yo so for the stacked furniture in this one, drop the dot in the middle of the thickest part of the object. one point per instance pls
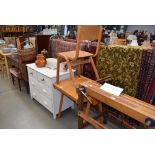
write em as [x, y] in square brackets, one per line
[76, 59]
[17, 63]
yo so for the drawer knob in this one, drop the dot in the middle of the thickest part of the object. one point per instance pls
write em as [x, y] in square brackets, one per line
[31, 73]
[42, 79]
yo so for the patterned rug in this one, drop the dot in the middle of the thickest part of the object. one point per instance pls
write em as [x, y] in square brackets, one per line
[147, 73]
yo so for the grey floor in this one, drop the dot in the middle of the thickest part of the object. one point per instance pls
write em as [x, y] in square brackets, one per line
[18, 111]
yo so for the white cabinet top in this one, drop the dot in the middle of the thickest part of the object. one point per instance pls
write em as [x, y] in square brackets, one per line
[46, 70]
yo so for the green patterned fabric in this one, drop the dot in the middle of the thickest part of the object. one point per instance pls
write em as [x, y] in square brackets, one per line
[123, 63]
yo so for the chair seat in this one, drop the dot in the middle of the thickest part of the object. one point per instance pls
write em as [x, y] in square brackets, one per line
[71, 54]
[67, 87]
[16, 72]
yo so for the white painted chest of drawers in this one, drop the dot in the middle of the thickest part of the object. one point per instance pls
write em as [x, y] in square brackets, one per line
[41, 88]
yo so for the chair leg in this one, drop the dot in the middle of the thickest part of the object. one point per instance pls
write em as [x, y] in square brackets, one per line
[71, 72]
[60, 105]
[13, 80]
[94, 68]
[3, 71]
[19, 84]
[79, 70]
[58, 70]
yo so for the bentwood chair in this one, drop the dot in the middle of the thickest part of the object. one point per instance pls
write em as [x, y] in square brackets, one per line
[2, 65]
[74, 59]
[78, 57]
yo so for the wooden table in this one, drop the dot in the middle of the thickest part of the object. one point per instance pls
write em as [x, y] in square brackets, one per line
[6, 63]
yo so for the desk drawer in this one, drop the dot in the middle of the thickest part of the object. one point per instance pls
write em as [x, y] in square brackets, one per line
[45, 90]
[32, 73]
[44, 80]
[46, 102]
[33, 83]
[34, 94]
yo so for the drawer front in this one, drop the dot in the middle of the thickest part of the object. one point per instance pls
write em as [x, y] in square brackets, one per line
[34, 94]
[44, 80]
[32, 73]
[46, 102]
[33, 83]
[45, 90]
[41, 99]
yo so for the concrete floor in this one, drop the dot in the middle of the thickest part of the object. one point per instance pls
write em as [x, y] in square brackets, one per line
[18, 111]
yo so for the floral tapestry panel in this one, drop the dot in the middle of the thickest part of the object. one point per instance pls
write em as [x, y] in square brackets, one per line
[123, 63]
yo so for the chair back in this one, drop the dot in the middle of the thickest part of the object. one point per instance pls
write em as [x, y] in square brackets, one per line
[27, 55]
[88, 32]
[19, 40]
[33, 41]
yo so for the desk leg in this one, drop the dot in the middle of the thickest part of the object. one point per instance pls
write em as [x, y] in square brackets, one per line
[6, 65]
